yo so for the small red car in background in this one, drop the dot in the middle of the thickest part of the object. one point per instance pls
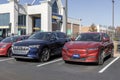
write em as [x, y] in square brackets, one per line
[5, 44]
[88, 47]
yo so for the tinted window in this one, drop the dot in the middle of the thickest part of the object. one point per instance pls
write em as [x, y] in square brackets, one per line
[106, 36]
[24, 37]
[89, 37]
[52, 36]
[40, 35]
[61, 35]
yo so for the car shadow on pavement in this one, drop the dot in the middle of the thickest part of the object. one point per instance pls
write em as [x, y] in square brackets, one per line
[27, 60]
[55, 57]
[83, 63]
[36, 61]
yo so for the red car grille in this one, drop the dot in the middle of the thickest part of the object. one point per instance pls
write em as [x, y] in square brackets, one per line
[78, 51]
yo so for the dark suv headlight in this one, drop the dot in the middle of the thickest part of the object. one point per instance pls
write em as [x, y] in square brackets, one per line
[34, 46]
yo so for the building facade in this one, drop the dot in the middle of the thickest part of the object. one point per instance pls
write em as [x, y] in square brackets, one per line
[73, 27]
[20, 19]
[99, 28]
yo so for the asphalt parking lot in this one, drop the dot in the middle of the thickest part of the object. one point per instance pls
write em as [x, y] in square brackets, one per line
[56, 69]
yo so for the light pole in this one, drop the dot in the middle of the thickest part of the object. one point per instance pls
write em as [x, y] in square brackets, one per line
[113, 15]
[66, 13]
[80, 26]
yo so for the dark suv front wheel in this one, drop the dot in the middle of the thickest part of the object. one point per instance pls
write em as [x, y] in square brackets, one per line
[45, 55]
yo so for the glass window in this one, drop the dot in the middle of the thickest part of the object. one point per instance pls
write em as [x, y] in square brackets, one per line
[40, 35]
[22, 20]
[89, 37]
[1, 33]
[55, 7]
[61, 35]
[106, 35]
[4, 19]
[52, 36]
[37, 22]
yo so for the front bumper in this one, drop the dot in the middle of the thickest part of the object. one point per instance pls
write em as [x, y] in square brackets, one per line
[31, 54]
[84, 57]
[3, 51]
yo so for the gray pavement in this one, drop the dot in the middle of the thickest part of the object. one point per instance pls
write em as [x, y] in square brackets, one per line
[56, 69]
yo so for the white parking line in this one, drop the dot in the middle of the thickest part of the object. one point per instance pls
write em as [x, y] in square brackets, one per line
[49, 62]
[6, 59]
[102, 70]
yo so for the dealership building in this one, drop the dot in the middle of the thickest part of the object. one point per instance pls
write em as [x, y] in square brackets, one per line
[48, 15]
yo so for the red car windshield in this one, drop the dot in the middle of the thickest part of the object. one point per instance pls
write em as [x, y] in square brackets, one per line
[89, 37]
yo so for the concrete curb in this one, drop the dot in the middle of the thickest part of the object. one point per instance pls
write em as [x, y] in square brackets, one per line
[116, 55]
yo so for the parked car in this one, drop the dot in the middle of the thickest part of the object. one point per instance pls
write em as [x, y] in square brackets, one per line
[5, 45]
[40, 46]
[88, 47]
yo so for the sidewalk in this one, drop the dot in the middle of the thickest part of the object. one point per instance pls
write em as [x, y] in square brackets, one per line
[116, 54]
[116, 51]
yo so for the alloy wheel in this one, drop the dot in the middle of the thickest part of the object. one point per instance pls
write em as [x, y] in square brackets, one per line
[101, 58]
[9, 53]
[45, 55]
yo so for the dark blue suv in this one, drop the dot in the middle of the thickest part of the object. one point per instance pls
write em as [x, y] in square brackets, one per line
[40, 46]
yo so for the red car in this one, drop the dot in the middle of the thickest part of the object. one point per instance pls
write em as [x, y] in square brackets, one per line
[88, 47]
[5, 44]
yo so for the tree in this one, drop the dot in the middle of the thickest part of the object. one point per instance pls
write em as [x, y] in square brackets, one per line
[93, 28]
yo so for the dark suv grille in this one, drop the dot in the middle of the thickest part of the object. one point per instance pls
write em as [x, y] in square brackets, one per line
[20, 50]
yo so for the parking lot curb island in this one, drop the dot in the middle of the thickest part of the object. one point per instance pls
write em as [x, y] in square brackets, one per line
[116, 52]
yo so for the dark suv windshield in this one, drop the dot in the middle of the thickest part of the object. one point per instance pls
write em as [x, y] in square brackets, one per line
[89, 37]
[40, 35]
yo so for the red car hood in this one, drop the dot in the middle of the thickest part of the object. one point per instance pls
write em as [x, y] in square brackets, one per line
[82, 44]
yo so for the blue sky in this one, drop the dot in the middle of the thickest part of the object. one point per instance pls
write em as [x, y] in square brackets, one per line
[95, 11]
[91, 11]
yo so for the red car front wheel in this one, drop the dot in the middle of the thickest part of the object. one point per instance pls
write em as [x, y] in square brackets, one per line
[9, 53]
[101, 58]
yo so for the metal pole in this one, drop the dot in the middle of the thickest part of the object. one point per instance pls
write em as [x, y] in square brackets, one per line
[66, 13]
[113, 14]
[80, 26]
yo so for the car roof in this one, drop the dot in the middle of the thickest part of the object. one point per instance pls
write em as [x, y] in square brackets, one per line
[50, 32]
[93, 32]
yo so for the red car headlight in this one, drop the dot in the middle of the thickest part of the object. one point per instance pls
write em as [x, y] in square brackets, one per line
[92, 49]
[66, 48]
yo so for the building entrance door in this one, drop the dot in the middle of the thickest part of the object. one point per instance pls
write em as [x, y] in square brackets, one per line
[36, 21]
[3, 33]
